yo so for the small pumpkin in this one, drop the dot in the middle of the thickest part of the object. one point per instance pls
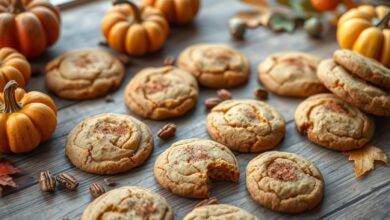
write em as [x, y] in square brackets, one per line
[365, 30]
[176, 11]
[30, 26]
[13, 66]
[129, 29]
[26, 119]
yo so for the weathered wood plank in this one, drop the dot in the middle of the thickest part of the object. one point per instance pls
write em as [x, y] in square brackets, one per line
[81, 28]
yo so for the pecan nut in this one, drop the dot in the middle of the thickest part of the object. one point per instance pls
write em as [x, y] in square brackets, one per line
[224, 94]
[109, 181]
[167, 131]
[260, 93]
[67, 181]
[96, 190]
[212, 102]
[47, 182]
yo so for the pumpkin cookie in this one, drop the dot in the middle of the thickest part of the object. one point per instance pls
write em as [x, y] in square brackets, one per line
[364, 67]
[109, 143]
[188, 165]
[333, 123]
[84, 74]
[129, 202]
[291, 74]
[284, 182]
[160, 93]
[219, 212]
[215, 65]
[246, 125]
[351, 89]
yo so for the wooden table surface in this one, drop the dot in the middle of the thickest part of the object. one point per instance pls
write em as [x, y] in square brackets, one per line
[346, 197]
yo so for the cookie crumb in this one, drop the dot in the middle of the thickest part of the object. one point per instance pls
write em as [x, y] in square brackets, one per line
[212, 102]
[167, 131]
[224, 94]
[109, 99]
[260, 93]
[169, 61]
[209, 201]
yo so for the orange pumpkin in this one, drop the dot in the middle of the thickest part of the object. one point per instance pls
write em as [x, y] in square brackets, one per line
[176, 11]
[13, 66]
[134, 31]
[26, 119]
[359, 30]
[30, 26]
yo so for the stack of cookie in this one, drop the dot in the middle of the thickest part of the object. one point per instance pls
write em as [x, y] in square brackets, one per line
[358, 80]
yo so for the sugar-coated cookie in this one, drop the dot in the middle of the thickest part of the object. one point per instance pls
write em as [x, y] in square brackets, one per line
[128, 202]
[219, 212]
[109, 143]
[363, 67]
[84, 74]
[246, 125]
[284, 182]
[354, 90]
[215, 65]
[291, 73]
[187, 167]
[333, 123]
[160, 93]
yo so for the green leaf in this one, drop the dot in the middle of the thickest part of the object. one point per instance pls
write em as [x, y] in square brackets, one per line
[302, 8]
[281, 22]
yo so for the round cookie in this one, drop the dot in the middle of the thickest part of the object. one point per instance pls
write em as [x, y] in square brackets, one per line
[291, 74]
[284, 182]
[84, 74]
[128, 202]
[246, 125]
[187, 167]
[109, 143]
[160, 93]
[354, 90]
[215, 65]
[364, 67]
[219, 212]
[333, 123]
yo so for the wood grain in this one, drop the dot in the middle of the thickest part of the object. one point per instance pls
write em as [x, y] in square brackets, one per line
[345, 196]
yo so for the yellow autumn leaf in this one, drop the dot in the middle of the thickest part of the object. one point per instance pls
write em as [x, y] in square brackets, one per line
[365, 157]
[256, 3]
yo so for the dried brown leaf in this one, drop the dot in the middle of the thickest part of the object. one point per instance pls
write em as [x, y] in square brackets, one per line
[365, 157]
[257, 3]
[254, 19]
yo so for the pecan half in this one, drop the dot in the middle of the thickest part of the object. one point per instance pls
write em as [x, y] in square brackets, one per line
[167, 131]
[96, 190]
[47, 182]
[260, 93]
[211, 102]
[67, 181]
[224, 94]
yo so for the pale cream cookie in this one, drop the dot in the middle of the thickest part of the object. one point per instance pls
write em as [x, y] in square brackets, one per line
[219, 212]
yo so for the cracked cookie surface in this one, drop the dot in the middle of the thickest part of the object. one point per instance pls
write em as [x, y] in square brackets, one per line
[219, 212]
[84, 74]
[187, 167]
[284, 182]
[364, 67]
[333, 123]
[291, 73]
[354, 90]
[109, 143]
[129, 202]
[246, 125]
[215, 65]
[160, 93]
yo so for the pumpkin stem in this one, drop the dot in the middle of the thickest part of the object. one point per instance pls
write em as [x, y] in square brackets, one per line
[384, 21]
[134, 8]
[18, 7]
[11, 105]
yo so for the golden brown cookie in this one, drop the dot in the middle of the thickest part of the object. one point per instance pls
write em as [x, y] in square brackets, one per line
[284, 182]
[291, 74]
[187, 167]
[364, 67]
[219, 212]
[246, 125]
[84, 74]
[109, 143]
[160, 93]
[128, 202]
[354, 90]
[215, 65]
[333, 123]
